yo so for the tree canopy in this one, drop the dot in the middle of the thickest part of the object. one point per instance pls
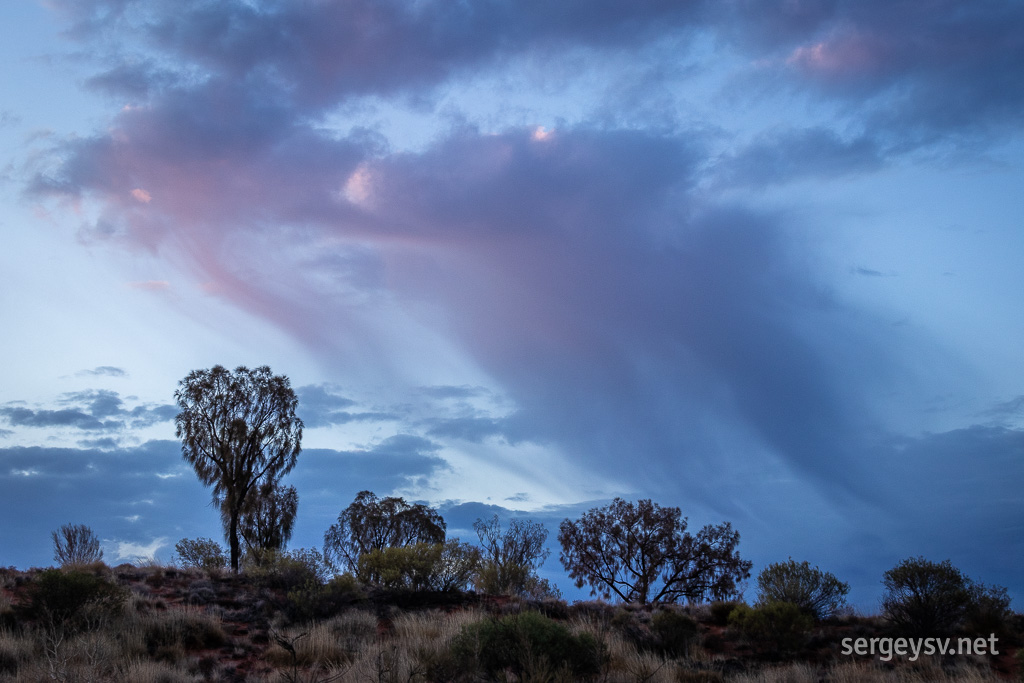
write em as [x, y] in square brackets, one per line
[511, 558]
[240, 433]
[371, 523]
[641, 552]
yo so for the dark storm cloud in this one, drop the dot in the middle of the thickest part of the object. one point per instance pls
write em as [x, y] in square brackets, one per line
[584, 278]
[90, 410]
[106, 443]
[1006, 412]
[913, 73]
[385, 466]
[320, 406]
[787, 155]
[132, 495]
[955, 492]
[140, 494]
[26, 417]
[323, 52]
[328, 480]
[581, 271]
[136, 80]
[475, 429]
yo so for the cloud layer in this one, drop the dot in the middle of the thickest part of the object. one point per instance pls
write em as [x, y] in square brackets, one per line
[616, 268]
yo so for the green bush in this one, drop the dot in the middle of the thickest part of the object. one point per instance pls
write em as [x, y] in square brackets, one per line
[721, 611]
[204, 553]
[526, 644]
[818, 593]
[517, 580]
[408, 567]
[290, 569]
[64, 595]
[776, 627]
[674, 632]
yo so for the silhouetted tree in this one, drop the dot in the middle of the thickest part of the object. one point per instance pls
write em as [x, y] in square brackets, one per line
[239, 430]
[511, 558]
[267, 521]
[456, 567]
[923, 597]
[642, 553]
[816, 592]
[370, 523]
[75, 544]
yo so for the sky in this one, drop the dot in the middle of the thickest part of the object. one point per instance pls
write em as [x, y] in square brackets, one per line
[756, 260]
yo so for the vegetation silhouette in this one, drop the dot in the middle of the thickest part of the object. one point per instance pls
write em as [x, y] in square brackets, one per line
[392, 598]
[641, 552]
[240, 433]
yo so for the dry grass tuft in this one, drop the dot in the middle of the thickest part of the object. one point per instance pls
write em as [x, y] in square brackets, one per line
[328, 643]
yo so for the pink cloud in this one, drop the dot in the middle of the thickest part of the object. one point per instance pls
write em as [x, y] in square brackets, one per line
[150, 285]
[840, 57]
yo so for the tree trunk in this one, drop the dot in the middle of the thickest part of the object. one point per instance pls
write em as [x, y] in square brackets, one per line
[233, 540]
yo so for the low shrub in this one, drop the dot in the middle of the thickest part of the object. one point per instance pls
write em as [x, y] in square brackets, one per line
[525, 644]
[8, 619]
[204, 553]
[777, 627]
[674, 632]
[15, 651]
[408, 567]
[989, 612]
[720, 611]
[180, 630]
[63, 595]
[290, 569]
[315, 600]
[76, 544]
[817, 592]
[633, 625]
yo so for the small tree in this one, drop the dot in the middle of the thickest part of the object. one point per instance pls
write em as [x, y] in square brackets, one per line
[240, 432]
[925, 597]
[818, 593]
[456, 567]
[75, 544]
[200, 552]
[642, 553]
[511, 558]
[370, 523]
[267, 522]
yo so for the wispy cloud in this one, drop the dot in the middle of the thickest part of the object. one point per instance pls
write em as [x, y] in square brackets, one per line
[105, 370]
